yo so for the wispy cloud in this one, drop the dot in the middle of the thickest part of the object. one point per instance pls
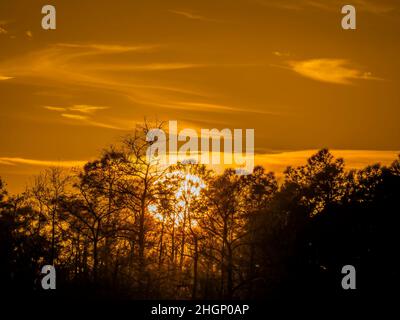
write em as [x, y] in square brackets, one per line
[206, 106]
[82, 108]
[107, 48]
[44, 163]
[71, 65]
[354, 159]
[84, 118]
[5, 78]
[74, 116]
[379, 7]
[86, 108]
[58, 109]
[67, 64]
[222, 108]
[188, 15]
[281, 54]
[370, 6]
[87, 121]
[3, 29]
[336, 71]
[149, 66]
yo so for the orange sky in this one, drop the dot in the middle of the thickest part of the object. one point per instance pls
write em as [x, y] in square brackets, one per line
[285, 68]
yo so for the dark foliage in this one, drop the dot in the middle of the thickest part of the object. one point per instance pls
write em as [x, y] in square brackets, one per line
[124, 229]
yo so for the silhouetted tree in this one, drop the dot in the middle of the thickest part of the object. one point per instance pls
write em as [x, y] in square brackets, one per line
[126, 226]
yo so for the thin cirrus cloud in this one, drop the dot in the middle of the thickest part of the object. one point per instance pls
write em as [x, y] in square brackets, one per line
[224, 108]
[86, 121]
[215, 108]
[5, 78]
[149, 67]
[354, 159]
[3, 29]
[86, 108]
[370, 6]
[96, 48]
[59, 109]
[188, 15]
[281, 54]
[337, 71]
[277, 162]
[11, 161]
[84, 117]
[82, 108]
[66, 64]
[74, 116]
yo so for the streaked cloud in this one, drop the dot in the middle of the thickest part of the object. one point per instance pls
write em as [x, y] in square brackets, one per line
[336, 71]
[29, 33]
[87, 121]
[281, 54]
[74, 116]
[86, 108]
[107, 48]
[44, 163]
[59, 109]
[67, 64]
[149, 66]
[3, 30]
[276, 162]
[84, 117]
[202, 106]
[82, 108]
[370, 6]
[188, 15]
[5, 78]
[354, 159]
[219, 107]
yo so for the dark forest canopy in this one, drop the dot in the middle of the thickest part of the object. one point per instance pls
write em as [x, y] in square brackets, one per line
[122, 227]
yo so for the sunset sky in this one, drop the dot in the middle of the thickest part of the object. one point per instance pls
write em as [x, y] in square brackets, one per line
[285, 68]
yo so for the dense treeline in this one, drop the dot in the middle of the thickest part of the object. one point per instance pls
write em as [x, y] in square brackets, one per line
[123, 227]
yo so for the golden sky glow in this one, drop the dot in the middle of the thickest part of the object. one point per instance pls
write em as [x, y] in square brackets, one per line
[285, 68]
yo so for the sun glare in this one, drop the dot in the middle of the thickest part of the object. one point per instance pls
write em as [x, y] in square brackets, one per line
[189, 188]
